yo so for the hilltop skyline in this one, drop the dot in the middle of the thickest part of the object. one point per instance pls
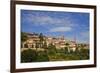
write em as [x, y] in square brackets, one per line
[52, 23]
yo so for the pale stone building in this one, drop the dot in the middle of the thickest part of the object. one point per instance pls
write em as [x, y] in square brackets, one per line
[33, 42]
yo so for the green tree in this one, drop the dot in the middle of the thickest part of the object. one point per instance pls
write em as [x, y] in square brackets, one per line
[51, 49]
[82, 46]
[23, 36]
[36, 45]
[84, 54]
[41, 39]
[67, 47]
[66, 50]
[45, 45]
[28, 56]
[42, 56]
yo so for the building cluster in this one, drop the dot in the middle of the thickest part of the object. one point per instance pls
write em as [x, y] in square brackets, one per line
[33, 39]
[33, 42]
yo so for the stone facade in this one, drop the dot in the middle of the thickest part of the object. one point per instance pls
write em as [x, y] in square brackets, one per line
[59, 42]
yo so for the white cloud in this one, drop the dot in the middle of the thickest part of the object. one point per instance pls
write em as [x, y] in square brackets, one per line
[50, 23]
[60, 29]
[48, 20]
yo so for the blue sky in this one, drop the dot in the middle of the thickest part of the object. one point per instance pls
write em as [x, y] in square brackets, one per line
[56, 24]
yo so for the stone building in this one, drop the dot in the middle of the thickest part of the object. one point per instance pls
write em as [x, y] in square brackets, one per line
[72, 45]
[33, 42]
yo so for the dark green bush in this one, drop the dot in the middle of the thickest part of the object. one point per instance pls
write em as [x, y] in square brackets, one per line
[28, 56]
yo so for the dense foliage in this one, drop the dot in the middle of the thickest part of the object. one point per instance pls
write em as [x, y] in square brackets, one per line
[53, 54]
[28, 56]
[23, 36]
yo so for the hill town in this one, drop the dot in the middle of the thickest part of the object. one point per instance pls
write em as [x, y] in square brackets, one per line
[35, 40]
[54, 48]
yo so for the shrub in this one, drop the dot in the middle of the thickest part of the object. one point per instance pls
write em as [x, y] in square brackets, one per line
[42, 56]
[28, 56]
